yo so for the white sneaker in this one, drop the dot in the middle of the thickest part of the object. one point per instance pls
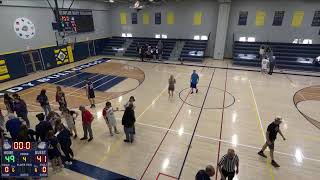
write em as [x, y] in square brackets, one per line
[68, 163]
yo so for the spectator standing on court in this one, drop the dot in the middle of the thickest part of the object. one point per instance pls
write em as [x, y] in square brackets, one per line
[108, 115]
[194, 81]
[90, 93]
[271, 135]
[65, 142]
[53, 117]
[42, 128]
[269, 54]
[227, 165]
[13, 126]
[54, 151]
[87, 119]
[42, 98]
[21, 109]
[132, 101]
[25, 134]
[8, 101]
[61, 98]
[205, 174]
[128, 121]
[261, 52]
[70, 117]
[172, 82]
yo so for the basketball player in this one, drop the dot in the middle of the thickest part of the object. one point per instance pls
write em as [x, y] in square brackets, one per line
[90, 93]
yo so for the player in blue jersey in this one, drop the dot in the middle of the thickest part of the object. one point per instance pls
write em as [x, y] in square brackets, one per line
[90, 93]
[194, 81]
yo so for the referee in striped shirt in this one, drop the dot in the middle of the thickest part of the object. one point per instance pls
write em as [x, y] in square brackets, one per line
[227, 165]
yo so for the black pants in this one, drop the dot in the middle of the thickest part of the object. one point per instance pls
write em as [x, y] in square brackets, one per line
[141, 57]
[228, 175]
[66, 148]
[271, 67]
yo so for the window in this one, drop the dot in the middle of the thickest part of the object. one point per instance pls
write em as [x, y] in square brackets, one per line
[204, 37]
[243, 15]
[242, 39]
[164, 36]
[129, 35]
[196, 37]
[251, 39]
[134, 18]
[307, 41]
[157, 36]
[316, 19]
[157, 18]
[278, 18]
[123, 35]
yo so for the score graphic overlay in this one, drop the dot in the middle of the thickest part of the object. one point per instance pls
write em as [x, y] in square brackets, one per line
[24, 159]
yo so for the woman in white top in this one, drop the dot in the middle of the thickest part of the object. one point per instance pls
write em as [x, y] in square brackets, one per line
[108, 115]
[70, 120]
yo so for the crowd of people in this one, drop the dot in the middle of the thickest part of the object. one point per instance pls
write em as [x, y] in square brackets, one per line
[58, 129]
[146, 51]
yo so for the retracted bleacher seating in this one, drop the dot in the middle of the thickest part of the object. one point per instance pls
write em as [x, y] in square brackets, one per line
[168, 46]
[112, 45]
[193, 50]
[288, 55]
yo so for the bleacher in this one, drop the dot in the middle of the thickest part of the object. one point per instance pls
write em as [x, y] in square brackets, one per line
[112, 46]
[288, 55]
[168, 46]
[193, 50]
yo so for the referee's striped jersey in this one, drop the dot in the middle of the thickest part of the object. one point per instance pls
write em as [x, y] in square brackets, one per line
[228, 164]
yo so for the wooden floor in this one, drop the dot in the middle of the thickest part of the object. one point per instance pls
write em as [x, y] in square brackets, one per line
[177, 137]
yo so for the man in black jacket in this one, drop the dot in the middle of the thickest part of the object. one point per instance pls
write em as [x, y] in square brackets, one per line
[128, 121]
[43, 127]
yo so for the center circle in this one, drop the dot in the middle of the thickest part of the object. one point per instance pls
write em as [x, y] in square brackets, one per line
[218, 95]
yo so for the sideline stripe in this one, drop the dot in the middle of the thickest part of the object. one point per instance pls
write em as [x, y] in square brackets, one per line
[195, 128]
[94, 171]
[261, 127]
[222, 117]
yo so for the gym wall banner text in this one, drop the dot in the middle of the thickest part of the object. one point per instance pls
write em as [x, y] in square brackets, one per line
[50, 78]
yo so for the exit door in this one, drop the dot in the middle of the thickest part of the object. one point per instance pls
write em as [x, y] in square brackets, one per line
[32, 61]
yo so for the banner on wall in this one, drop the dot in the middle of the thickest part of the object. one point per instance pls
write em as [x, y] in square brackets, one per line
[260, 17]
[170, 18]
[64, 55]
[123, 18]
[297, 18]
[197, 19]
[4, 73]
[146, 18]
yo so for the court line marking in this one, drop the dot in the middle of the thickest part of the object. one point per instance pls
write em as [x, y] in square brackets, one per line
[164, 137]
[195, 128]
[261, 127]
[222, 118]
[220, 140]
[153, 101]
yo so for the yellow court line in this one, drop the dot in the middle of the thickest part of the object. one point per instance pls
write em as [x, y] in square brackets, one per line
[258, 118]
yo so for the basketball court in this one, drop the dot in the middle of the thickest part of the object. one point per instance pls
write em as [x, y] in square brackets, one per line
[175, 137]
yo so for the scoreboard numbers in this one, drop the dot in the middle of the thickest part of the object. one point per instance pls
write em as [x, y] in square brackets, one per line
[24, 159]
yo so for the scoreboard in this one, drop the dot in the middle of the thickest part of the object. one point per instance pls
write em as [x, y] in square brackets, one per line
[77, 21]
[24, 159]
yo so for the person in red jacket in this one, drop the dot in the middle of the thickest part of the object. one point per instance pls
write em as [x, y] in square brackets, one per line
[87, 119]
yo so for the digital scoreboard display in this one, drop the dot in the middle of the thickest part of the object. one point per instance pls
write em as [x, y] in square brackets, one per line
[24, 159]
[77, 21]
